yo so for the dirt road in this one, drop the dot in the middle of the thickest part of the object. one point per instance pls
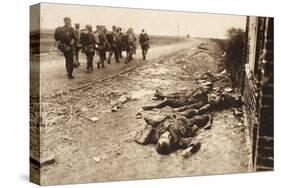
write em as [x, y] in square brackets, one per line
[91, 143]
[53, 73]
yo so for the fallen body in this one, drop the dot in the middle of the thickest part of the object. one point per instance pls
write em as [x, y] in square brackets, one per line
[172, 132]
[175, 131]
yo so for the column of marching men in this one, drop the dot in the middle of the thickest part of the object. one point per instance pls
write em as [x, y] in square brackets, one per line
[72, 41]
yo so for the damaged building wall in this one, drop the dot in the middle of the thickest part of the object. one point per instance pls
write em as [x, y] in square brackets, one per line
[258, 90]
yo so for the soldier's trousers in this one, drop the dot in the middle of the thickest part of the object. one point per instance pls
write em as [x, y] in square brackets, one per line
[102, 54]
[144, 49]
[68, 62]
[120, 51]
[90, 58]
[76, 56]
[116, 55]
[129, 55]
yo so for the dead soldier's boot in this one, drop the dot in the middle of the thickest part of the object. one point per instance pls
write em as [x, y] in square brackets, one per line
[193, 148]
[200, 120]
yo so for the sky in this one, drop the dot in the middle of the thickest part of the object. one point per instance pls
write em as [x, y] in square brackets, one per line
[155, 22]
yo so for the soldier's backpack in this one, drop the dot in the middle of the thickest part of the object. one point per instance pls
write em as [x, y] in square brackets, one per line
[85, 37]
[110, 37]
[61, 34]
[143, 37]
[125, 41]
[100, 40]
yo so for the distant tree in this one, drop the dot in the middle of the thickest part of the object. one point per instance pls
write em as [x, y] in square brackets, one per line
[234, 54]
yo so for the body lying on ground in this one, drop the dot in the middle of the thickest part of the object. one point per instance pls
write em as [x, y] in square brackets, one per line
[175, 131]
[172, 132]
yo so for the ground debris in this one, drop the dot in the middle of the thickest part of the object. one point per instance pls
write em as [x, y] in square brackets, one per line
[202, 46]
[97, 159]
[237, 112]
[94, 119]
[119, 103]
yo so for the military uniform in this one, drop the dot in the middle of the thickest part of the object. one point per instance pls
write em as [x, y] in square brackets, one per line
[179, 128]
[88, 45]
[144, 42]
[131, 48]
[114, 44]
[66, 44]
[119, 45]
[101, 44]
[77, 45]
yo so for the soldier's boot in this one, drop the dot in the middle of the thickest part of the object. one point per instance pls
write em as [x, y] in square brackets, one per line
[77, 59]
[76, 64]
[117, 59]
[102, 64]
[91, 68]
[127, 60]
[109, 59]
[145, 54]
[87, 69]
[98, 65]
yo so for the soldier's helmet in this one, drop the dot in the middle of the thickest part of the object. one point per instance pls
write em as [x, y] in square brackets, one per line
[129, 31]
[77, 25]
[114, 27]
[67, 20]
[88, 27]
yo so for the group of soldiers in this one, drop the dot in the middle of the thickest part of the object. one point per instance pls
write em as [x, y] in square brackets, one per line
[72, 40]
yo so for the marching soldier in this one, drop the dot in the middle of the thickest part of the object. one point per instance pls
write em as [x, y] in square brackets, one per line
[119, 35]
[131, 48]
[77, 45]
[101, 43]
[67, 38]
[114, 45]
[88, 45]
[134, 41]
[144, 42]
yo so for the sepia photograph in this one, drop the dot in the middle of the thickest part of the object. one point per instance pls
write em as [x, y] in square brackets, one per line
[128, 94]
